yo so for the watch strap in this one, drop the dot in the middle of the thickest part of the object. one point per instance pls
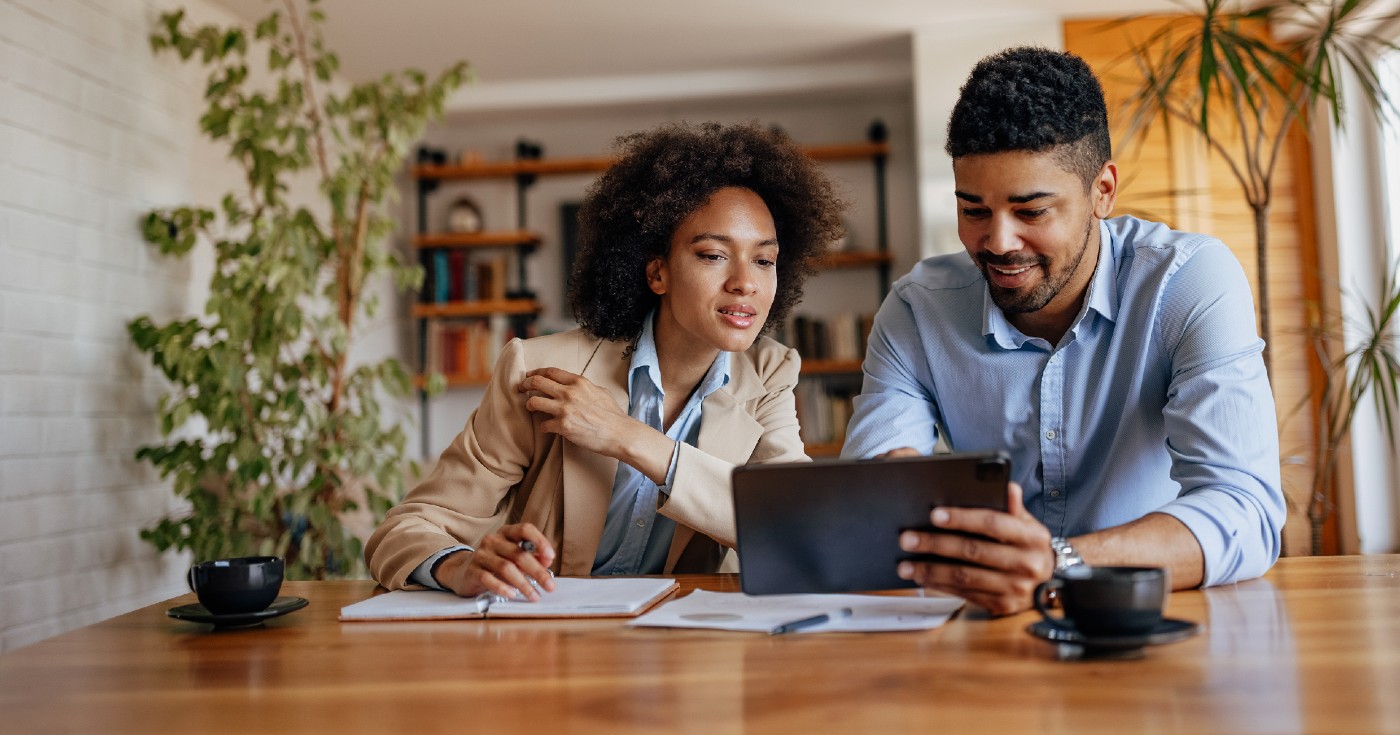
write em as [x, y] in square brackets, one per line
[1065, 554]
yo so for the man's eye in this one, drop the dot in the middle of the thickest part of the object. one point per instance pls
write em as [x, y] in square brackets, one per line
[712, 257]
[974, 213]
[1032, 213]
[765, 263]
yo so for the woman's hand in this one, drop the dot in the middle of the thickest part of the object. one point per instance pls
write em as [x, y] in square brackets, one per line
[501, 565]
[579, 410]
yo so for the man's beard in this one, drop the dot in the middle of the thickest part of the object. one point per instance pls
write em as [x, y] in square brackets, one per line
[1024, 302]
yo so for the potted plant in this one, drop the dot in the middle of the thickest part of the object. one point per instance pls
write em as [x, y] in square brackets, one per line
[1362, 362]
[1222, 74]
[272, 434]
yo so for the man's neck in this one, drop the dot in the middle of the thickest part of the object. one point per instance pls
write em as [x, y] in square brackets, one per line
[1052, 321]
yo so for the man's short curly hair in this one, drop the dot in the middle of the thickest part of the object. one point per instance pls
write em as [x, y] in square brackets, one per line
[1033, 99]
[632, 211]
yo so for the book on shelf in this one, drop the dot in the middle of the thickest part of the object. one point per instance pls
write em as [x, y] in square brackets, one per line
[461, 276]
[840, 337]
[467, 348]
[823, 410]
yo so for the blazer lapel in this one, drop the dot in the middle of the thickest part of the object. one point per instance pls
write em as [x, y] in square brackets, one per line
[588, 476]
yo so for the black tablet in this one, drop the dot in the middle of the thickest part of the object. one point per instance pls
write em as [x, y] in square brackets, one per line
[833, 526]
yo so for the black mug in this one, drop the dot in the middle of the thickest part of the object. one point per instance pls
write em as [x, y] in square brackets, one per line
[1106, 601]
[231, 586]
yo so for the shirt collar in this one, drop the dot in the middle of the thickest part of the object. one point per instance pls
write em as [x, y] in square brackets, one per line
[646, 363]
[1103, 298]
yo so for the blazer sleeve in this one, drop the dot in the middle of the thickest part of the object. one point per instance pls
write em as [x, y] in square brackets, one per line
[701, 495]
[466, 496]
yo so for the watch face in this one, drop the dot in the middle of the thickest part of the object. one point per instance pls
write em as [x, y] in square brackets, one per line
[464, 216]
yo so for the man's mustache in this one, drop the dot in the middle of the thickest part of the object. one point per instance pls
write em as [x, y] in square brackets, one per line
[1006, 261]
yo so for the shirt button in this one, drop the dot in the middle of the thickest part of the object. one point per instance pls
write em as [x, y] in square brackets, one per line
[1054, 493]
[1050, 434]
[641, 523]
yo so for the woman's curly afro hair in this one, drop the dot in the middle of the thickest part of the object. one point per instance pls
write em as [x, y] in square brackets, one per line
[631, 212]
[1033, 99]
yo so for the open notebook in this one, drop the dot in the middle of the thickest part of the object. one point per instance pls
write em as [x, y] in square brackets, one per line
[572, 598]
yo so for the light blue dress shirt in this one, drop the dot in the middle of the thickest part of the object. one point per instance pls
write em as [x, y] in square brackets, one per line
[1156, 400]
[635, 540]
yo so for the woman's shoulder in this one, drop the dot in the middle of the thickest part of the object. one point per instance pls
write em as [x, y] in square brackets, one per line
[772, 359]
[571, 349]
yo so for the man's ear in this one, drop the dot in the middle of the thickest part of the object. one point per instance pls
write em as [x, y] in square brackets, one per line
[1105, 190]
[656, 276]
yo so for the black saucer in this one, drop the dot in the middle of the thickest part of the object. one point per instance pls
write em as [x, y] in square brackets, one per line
[1170, 630]
[196, 613]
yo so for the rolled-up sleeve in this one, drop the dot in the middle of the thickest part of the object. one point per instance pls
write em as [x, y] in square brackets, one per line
[1221, 423]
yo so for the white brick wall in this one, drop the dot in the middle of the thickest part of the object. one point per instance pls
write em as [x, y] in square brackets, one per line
[93, 132]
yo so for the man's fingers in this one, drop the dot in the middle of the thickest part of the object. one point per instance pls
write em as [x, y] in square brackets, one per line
[999, 593]
[974, 550]
[1017, 530]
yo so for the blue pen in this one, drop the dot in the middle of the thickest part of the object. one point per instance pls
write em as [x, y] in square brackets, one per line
[796, 625]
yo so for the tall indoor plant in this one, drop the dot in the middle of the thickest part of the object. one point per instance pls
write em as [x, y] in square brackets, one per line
[1361, 359]
[271, 433]
[1220, 72]
[1223, 74]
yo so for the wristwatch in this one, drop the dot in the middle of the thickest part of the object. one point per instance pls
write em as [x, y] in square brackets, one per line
[1065, 555]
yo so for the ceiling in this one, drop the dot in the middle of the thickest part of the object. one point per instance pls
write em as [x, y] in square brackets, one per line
[522, 49]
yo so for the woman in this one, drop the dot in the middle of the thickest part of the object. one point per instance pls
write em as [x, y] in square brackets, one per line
[608, 449]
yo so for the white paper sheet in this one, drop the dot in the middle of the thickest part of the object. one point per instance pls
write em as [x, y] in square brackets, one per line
[572, 597]
[737, 611]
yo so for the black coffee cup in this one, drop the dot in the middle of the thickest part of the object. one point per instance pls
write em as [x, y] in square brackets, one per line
[1106, 601]
[232, 586]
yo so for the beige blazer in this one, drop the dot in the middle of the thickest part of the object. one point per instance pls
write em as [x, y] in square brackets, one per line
[503, 469]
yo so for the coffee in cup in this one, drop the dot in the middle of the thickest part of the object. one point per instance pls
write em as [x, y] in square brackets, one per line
[1106, 601]
[231, 586]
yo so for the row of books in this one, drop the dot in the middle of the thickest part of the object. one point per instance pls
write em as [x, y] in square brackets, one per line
[467, 349]
[823, 410]
[841, 337]
[457, 275]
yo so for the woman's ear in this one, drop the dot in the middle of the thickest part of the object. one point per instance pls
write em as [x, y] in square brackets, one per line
[656, 276]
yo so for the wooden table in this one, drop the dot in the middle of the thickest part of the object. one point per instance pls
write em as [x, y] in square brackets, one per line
[1312, 647]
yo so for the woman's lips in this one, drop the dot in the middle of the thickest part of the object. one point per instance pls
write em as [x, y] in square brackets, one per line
[741, 317]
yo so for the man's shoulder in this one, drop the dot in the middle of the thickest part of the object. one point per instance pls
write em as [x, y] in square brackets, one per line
[1134, 236]
[953, 273]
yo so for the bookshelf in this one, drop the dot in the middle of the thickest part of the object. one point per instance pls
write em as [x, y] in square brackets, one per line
[832, 349]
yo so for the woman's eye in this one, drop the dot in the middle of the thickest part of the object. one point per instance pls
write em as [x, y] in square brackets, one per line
[765, 263]
[712, 257]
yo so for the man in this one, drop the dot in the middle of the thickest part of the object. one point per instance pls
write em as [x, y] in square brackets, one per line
[1115, 359]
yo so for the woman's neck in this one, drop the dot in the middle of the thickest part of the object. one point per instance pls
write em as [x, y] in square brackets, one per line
[683, 361]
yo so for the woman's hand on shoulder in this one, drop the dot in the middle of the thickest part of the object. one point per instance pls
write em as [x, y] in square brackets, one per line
[501, 564]
[578, 410]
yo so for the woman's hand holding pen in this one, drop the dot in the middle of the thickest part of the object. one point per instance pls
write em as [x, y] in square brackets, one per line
[502, 564]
